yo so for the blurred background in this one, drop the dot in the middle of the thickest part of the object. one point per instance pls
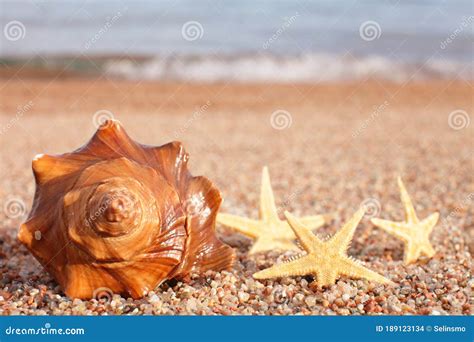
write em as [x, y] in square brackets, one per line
[283, 41]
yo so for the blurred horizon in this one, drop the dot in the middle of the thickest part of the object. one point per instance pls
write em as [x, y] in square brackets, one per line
[250, 40]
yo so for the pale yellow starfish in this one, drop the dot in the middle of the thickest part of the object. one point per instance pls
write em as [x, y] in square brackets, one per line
[269, 231]
[326, 260]
[414, 233]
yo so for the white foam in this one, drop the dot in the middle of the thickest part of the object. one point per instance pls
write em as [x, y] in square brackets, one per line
[310, 68]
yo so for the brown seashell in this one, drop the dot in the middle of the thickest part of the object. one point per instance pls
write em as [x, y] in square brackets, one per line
[123, 216]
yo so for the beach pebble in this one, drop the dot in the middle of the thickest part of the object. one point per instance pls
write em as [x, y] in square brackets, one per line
[310, 301]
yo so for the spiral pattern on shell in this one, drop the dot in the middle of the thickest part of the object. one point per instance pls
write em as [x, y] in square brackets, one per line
[115, 215]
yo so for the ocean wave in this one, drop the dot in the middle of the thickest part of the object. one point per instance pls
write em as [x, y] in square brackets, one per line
[310, 68]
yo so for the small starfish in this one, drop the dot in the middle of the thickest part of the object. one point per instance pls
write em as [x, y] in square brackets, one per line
[269, 231]
[326, 260]
[415, 233]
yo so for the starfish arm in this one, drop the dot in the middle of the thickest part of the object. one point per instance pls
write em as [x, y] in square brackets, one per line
[248, 227]
[343, 237]
[397, 229]
[313, 222]
[429, 222]
[412, 253]
[428, 250]
[353, 268]
[268, 211]
[263, 245]
[407, 204]
[307, 239]
[325, 277]
[299, 267]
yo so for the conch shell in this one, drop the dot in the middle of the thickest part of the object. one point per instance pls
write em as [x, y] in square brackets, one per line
[123, 216]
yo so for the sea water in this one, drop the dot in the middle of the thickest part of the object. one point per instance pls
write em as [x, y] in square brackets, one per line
[246, 40]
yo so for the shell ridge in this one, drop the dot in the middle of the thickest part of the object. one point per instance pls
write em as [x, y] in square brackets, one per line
[205, 251]
[122, 215]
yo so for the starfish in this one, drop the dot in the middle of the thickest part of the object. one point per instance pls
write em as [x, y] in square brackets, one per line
[269, 231]
[414, 233]
[326, 260]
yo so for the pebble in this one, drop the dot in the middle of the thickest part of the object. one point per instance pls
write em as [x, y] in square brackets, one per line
[310, 301]
[191, 305]
[154, 299]
[243, 296]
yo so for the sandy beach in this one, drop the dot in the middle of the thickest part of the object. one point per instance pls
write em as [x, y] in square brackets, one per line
[329, 147]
